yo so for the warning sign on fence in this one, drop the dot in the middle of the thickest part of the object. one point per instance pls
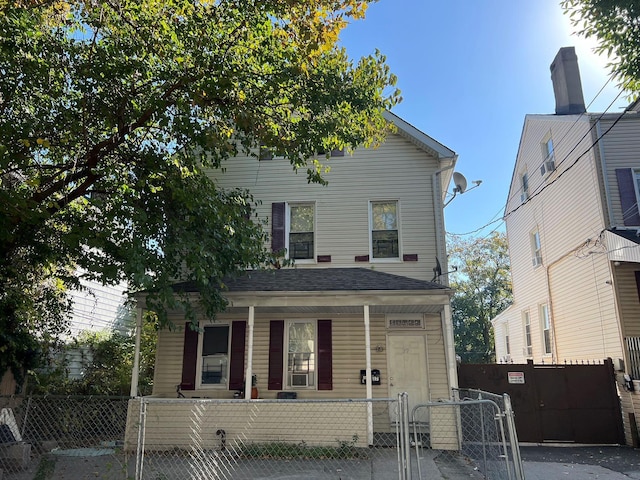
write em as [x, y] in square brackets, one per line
[515, 377]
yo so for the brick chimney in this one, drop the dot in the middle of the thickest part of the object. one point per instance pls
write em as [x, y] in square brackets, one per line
[567, 86]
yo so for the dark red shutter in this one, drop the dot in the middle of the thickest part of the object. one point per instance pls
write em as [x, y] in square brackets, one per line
[236, 361]
[276, 354]
[325, 356]
[189, 358]
[277, 226]
[628, 200]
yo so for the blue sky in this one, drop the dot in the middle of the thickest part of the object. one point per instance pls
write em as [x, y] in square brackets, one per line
[469, 72]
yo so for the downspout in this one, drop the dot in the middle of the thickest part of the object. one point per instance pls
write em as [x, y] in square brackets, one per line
[135, 373]
[441, 254]
[248, 376]
[449, 351]
[438, 216]
[367, 343]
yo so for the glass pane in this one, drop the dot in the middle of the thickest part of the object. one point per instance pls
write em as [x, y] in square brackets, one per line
[384, 216]
[301, 354]
[301, 218]
[301, 245]
[385, 244]
[215, 355]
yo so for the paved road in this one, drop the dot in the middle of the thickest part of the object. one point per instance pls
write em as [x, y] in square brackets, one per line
[578, 462]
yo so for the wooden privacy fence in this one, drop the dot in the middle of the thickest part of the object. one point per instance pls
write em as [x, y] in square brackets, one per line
[555, 403]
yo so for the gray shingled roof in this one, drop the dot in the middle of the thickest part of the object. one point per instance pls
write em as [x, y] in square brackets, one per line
[318, 279]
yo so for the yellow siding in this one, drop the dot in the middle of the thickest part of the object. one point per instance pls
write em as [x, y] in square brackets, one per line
[193, 424]
[395, 171]
[627, 291]
[348, 359]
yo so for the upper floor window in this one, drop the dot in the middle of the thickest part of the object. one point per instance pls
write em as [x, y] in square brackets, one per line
[629, 192]
[549, 160]
[301, 353]
[546, 329]
[214, 365]
[536, 249]
[524, 187]
[293, 229]
[384, 229]
[300, 241]
[528, 346]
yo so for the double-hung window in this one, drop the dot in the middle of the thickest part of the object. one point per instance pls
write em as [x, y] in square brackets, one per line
[301, 353]
[384, 229]
[524, 187]
[536, 249]
[300, 241]
[214, 355]
[546, 328]
[528, 347]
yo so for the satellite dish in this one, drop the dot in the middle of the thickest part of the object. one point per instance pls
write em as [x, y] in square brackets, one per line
[460, 182]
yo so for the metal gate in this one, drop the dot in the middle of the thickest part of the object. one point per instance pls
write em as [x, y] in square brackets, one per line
[566, 403]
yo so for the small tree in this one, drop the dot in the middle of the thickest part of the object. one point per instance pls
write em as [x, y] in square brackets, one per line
[482, 285]
[106, 362]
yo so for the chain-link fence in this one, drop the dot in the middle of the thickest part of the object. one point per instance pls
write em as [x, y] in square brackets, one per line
[79, 426]
[244, 439]
[152, 438]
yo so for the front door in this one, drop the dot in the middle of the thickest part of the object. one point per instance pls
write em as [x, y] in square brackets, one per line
[408, 368]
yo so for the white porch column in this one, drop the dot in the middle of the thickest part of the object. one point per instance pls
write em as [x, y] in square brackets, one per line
[450, 351]
[135, 373]
[248, 374]
[367, 342]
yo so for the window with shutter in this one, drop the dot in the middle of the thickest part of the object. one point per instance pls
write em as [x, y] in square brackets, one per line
[277, 226]
[627, 189]
[189, 358]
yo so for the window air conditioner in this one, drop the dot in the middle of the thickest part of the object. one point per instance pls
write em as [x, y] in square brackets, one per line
[299, 379]
[536, 260]
[549, 166]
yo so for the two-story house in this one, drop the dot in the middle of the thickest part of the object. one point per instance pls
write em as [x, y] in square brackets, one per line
[572, 224]
[364, 295]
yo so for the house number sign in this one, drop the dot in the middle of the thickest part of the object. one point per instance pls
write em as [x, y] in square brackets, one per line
[405, 323]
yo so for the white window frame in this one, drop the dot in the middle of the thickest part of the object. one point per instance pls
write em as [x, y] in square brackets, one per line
[527, 336]
[524, 186]
[373, 259]
[536, 248]
[200, 359]
[545, 326]
[548, 155]
[287, 233]
[288, 384]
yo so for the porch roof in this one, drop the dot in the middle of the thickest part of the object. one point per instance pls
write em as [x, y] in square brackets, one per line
[623, 245]
[330, 290]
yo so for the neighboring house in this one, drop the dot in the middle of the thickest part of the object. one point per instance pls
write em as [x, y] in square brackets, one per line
[364, 294]
[573, 227]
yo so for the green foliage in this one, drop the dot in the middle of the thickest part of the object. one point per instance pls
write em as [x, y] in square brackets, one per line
[106, 364]
[111, 115]
[615, 24]
[482, 287]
